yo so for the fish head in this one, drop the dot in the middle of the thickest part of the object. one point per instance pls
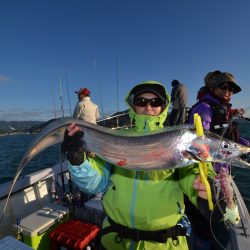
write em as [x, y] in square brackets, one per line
[224, 150]
[200, 149]
[214, 148]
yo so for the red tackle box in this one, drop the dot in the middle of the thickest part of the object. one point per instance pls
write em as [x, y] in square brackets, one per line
[73, 234]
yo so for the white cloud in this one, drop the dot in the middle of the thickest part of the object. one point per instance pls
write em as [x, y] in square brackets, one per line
[4, 80]
[17, 114]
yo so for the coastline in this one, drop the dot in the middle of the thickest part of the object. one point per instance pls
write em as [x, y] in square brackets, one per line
[13, 134]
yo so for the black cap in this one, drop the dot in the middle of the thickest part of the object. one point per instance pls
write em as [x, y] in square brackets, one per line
[214, 79]
[175, 82]
[156, 89]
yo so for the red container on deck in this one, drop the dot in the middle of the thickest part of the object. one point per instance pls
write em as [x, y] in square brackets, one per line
[73, 234]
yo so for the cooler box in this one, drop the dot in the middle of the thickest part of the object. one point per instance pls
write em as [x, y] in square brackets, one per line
[36, 226]
[73, 234]
[10, 243]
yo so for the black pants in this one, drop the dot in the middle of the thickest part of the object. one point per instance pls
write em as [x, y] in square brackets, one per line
[177, 116]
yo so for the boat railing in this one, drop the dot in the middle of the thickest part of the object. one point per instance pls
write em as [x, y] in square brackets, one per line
[120, 120]
[33, 178]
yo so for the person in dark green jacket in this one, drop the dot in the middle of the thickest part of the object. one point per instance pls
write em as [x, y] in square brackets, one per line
[145, 209]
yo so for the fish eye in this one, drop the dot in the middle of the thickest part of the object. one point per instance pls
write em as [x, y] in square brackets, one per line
[225, 145]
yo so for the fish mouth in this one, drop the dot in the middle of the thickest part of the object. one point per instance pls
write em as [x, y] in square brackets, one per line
[226, 153]
[198, 157]
[190, 155]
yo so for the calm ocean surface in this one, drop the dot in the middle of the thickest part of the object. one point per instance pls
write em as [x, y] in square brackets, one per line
[13, 147]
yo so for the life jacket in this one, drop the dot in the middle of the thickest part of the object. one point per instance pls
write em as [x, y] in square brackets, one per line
[221, 123]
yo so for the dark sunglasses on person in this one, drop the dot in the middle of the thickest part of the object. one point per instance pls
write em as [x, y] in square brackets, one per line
[142, 102]
[226, 86]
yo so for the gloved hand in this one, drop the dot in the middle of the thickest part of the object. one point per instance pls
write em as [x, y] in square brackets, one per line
[239, 112]
[73, 146]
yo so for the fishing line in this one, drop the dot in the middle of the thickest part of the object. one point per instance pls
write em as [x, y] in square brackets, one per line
[227, 224]
[210, 222]
[217, 204]
[18, 172]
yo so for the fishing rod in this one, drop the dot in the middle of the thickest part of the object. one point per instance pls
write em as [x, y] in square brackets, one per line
[53, 101]
[99, 89]
[59, 148]
[117, 85]
[67, 85]
[61, 94]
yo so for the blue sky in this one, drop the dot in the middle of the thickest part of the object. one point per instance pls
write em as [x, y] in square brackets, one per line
[102, 44]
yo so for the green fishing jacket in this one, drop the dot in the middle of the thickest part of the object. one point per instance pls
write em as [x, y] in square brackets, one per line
[146, 200]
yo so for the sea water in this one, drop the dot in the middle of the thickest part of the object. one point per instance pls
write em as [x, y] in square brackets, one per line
[13, 148]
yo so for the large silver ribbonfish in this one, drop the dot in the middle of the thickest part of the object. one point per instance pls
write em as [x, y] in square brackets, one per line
[172, 147]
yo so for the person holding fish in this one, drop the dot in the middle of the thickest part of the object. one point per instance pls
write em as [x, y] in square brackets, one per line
[145, 209]
[216, 114]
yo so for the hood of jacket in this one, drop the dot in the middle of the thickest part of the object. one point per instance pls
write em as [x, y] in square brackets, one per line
[148, 122]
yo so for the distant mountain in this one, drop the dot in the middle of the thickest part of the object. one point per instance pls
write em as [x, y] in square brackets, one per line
[117, 120]
[17, 126]
[38, 127]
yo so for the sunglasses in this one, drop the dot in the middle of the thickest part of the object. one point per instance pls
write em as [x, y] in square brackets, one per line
[143, 102]
[226, 86]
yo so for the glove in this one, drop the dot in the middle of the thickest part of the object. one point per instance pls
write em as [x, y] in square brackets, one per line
[238, 112]
[73, 147]
[241, 112]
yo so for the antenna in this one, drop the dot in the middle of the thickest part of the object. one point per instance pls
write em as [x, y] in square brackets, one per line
[97, 79]
[61, 96]
[67, 84]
